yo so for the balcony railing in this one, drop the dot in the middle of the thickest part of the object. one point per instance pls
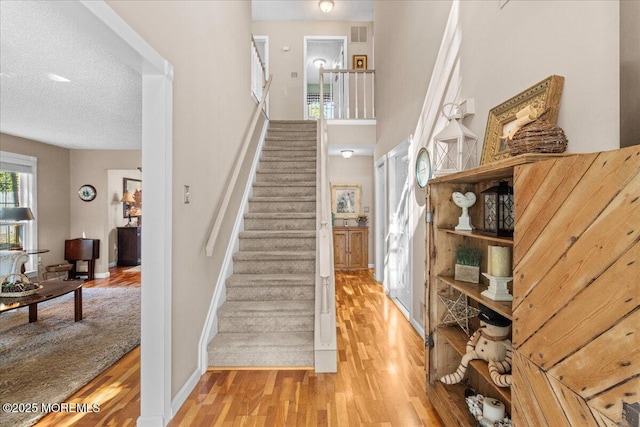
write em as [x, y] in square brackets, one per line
[258, 72]
[347, 94]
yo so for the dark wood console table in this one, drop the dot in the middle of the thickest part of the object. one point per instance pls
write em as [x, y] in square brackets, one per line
[82, 250]
[51, 289]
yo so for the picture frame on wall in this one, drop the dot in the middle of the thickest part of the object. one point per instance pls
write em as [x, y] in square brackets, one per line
[543, 96]
[346, 200]
[359, 62]
[134, 187]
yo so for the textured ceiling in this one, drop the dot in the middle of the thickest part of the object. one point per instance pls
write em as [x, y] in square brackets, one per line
[100, 106]
[308, 10]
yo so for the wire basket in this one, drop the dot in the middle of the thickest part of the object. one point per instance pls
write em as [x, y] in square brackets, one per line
[17, 287]
[539, 136]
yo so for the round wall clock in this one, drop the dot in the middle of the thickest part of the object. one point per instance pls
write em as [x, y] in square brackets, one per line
[87, 192]
[423, 167]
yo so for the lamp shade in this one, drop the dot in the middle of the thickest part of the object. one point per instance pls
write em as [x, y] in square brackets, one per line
[15, 214]
[127, 198]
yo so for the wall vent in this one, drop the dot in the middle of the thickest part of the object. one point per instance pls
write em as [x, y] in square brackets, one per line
[359, 34]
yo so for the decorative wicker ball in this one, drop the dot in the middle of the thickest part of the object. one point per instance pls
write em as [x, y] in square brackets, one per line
[539, 136]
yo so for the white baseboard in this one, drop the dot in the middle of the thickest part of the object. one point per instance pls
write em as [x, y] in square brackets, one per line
[113, 264]
[326, 361]
[185, 391]
[419, 329]
[371, 265]
[102, 275]
[149, 422]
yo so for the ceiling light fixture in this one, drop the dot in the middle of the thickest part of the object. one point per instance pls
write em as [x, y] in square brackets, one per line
[346, 153]
[58, 78]
[319, 62]
[326, 5]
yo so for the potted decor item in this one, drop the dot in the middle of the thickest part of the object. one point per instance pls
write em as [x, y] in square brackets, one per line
[468, 264]
[362, 220]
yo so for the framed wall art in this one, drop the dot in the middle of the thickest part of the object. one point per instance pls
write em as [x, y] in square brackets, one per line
[134, 187]
[544, 96]
[359, 62]
[345, 200]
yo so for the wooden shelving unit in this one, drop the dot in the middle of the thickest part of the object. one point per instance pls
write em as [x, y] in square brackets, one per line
[449, 342]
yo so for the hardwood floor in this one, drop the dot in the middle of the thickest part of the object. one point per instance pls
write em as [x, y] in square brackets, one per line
[380, 379]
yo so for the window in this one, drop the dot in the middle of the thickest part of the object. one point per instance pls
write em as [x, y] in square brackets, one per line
[18, 189]
[313, 105]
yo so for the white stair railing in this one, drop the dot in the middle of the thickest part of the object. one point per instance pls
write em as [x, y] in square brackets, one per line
[325, 307]
[350, 94]
[258, 72]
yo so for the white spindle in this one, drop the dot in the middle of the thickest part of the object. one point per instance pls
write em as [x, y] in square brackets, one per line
[364, 94]
[356, 85]
[373, 96]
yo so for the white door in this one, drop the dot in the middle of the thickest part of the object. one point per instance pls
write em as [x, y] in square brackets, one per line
[399, 252]
[382, 221]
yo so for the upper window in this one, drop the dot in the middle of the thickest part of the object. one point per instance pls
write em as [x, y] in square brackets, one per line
[18, 189]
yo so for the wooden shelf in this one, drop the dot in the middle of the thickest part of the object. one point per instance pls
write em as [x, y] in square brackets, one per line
[449, 401]
[479, 235]
[458, 340]
[494, 171]
[473, 290]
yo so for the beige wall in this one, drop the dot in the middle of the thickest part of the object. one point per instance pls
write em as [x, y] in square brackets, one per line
[286, 96]
[208, 44]
[629, 72]
[356, 170]
[53, 213]
[92, 218]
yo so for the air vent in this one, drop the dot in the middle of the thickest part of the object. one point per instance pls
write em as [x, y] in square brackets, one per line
[359, 34]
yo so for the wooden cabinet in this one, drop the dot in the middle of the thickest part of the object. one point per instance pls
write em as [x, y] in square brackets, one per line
[577, 233]
[129, 243]
[351, 247]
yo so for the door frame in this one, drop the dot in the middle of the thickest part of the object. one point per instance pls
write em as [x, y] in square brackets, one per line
[382, 222]
[157, 163]
[306, 39]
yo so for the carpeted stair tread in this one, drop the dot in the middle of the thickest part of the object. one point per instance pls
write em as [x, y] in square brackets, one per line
[282, 199]
[266, 308]
[273, 255]
[278, 234]
[264, 349]
[285, 341]
[276, 215]
[283, 171]
[285, 184]
[288, 159]
[278, 148]
[268, 279]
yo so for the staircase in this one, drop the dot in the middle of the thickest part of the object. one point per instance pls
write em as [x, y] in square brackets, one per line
[268, 317]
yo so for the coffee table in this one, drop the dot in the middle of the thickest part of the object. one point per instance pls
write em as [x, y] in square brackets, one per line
[51, 289]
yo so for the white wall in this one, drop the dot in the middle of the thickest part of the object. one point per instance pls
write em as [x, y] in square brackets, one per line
[208, 44]
[356, 170]
[503, 52]
[629, 73]
[286, 96]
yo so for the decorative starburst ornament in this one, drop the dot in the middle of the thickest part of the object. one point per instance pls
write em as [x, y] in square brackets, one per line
[458, 311]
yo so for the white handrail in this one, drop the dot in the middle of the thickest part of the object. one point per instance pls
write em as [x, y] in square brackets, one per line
[222, 210]
[325, 331]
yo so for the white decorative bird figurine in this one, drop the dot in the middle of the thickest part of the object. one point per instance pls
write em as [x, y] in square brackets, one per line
[464, 201]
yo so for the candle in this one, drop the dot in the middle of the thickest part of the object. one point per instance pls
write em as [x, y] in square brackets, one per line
[492, 409]
[500, 261]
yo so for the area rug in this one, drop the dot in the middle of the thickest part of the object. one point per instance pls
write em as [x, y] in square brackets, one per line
[47, 361]
[136, 269]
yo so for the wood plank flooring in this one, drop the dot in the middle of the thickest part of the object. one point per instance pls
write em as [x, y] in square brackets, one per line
[380, 379]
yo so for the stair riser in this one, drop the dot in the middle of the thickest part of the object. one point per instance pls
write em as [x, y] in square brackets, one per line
[279, 224]
[303, 322]
[262, 358]
[287, 164]
[284, 191]
[288, 152]
[290, 143]
[304, 244]
[283, 207]
[285, 177]
[269, 293]
[273, 267]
